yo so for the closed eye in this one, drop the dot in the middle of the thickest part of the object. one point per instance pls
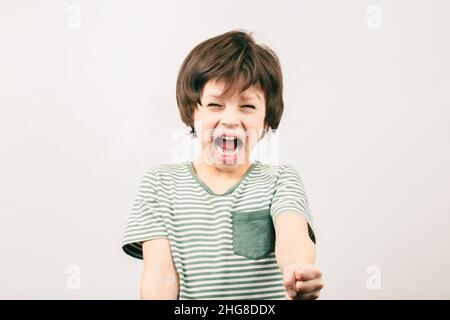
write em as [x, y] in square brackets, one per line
[218, 105]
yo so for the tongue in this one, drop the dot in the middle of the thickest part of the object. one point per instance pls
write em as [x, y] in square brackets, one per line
[228, 145]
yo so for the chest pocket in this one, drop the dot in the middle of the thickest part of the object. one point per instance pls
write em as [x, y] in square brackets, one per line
[253, 234]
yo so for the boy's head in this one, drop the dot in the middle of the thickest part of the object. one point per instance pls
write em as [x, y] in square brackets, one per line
[228, 84]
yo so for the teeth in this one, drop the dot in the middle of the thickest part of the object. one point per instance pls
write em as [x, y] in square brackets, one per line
[221, 152]
[229, 138]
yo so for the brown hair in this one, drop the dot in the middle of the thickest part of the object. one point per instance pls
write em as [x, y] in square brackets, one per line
[236, 59]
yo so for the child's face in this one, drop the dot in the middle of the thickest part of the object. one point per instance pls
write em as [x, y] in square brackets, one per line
[240, 116]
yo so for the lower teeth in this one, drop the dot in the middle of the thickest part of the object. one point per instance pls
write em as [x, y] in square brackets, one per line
[221, 152]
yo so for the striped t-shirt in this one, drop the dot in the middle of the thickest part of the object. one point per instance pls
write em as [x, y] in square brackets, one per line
[222, 244]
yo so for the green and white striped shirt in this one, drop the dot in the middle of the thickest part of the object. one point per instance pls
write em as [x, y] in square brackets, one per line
[222, 245]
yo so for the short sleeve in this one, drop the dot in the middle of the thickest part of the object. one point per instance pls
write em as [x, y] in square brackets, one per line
[290, 196]
[145, 221]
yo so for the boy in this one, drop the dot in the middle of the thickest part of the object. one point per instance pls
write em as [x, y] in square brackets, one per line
[222, 227]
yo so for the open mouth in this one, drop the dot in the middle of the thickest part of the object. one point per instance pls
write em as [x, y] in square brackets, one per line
[228, 146]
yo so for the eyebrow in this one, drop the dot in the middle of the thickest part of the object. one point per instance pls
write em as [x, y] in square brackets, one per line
[252, 97]
[212, 96]
[243, 98]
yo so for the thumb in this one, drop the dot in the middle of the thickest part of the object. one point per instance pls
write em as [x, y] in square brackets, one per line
[289, 281]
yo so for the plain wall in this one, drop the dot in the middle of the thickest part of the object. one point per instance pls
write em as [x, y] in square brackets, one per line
[87, 104]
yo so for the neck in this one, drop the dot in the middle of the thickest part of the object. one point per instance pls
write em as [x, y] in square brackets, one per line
[225, 170]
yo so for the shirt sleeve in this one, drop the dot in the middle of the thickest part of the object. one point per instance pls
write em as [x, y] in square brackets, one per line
[290, 196]
[145, 221]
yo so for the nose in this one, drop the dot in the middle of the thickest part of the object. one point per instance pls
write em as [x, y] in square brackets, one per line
[230, 117]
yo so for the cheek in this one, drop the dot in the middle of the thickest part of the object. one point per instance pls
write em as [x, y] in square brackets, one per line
[254, 127]
[203, 123]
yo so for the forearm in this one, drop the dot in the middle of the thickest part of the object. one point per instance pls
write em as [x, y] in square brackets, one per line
[296, 255]
[295, 252]
[153, 288]
[160, 279]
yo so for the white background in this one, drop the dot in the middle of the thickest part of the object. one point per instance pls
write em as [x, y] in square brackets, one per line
[88, 105]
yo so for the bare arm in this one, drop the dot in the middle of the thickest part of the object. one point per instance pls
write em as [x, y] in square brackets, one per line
[296, 255]
[293, 245]
[159, 278]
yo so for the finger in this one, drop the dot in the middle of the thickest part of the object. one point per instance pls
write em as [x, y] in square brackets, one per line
[308, 296]
[307, 272]
[308, 286]
[289, 282]
[288, 297]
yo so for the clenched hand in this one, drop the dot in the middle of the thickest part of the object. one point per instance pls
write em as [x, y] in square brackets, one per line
[302, 282]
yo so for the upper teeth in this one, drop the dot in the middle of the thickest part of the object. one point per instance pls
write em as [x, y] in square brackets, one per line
[229, 138]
